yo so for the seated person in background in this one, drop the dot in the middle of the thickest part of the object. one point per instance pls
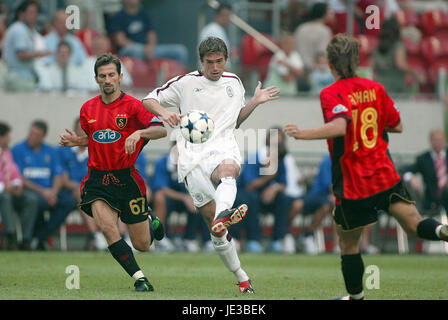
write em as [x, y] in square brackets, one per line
[100, 46]
[432, 165]
[74, 163]
[285, 67]
[317, 201]
[20, 51]
[59, 34]
[61, 75]
[135, 36]
[169, 196]
[262, 183]
[40, 167]
[218, 29]
[320, 76]
[11, 187]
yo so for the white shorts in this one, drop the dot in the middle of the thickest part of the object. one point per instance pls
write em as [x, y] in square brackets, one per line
[198, 181]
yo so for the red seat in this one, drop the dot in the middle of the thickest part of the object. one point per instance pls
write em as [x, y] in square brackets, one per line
[368, 44]
[418, 64]
[86, 36]
[143, 75]
[169, 68]
[432, 21]
[407, 17]
[434, 47]
[434, 68]
[412, 47]
[255, 55]
[340, 24]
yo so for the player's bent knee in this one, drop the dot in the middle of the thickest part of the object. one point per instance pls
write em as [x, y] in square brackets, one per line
[141, 245]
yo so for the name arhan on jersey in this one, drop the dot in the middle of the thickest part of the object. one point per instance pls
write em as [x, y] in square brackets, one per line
[363, 96]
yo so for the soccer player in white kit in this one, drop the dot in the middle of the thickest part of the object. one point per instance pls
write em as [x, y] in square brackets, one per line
[209, 170]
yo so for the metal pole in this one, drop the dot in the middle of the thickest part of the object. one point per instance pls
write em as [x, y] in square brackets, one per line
[350, 16]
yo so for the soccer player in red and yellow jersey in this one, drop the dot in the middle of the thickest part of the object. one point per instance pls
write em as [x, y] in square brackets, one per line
[117, 127]
[358, 115]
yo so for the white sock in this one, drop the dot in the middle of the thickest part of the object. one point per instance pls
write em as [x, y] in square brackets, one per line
[357, 296]
[438, 230]
[227, 252]
[139, 274]
[225, 195]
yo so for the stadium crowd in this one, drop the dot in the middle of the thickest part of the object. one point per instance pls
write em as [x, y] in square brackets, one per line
[39, 183]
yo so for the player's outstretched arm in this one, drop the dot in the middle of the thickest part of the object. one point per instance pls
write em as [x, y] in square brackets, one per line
[332, 129]
[153, 133]
[72, 139]
[172, 118]
[397, 129]
[260, 96]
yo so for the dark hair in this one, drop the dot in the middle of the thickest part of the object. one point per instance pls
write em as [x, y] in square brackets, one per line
[106, 59]
[222, 6]
[282, 149]
[41, 124]
[212, 45]
[23, 6]
[4, 129]
[64, 43]
[317, 11]
[390, 34]
[342, 53]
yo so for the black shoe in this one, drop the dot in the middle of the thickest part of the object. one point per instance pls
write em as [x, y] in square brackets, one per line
[25, 246]
[143, 285]
[156, 228]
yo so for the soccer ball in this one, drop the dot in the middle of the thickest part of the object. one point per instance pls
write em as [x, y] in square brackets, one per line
[196, 126]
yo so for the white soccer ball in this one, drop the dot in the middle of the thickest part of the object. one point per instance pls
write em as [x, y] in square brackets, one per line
[196, 126]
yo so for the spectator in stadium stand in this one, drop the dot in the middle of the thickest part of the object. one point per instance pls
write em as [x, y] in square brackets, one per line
[61, 33]
[41, 170]
[74, 164]
[169, 196]
[62, 75]
[20, 51]
[390, 65]
[318, 201]
[101, 45]
[218, 28]
[11, 195]
[320, 76]
[285, 67]
[262, 185]
[432, 165]
[312, 37]
[135, 36]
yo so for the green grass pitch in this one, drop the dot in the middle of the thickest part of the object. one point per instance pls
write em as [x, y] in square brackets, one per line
[187, 276]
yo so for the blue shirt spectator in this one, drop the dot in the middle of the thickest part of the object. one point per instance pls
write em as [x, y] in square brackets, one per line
[21, 49]
[61, 33]
[39, 166]
[140, 165]
[252, 171]
[135, 26]
[134, 36]
[165, 177]
[322, 181]
[73, 163]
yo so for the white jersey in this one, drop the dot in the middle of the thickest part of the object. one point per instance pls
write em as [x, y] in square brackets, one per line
[222, 100]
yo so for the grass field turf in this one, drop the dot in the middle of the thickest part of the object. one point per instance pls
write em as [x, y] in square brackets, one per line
[186, 276]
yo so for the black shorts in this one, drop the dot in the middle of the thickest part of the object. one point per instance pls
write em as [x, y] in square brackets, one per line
[353, 214]
[123, 190]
